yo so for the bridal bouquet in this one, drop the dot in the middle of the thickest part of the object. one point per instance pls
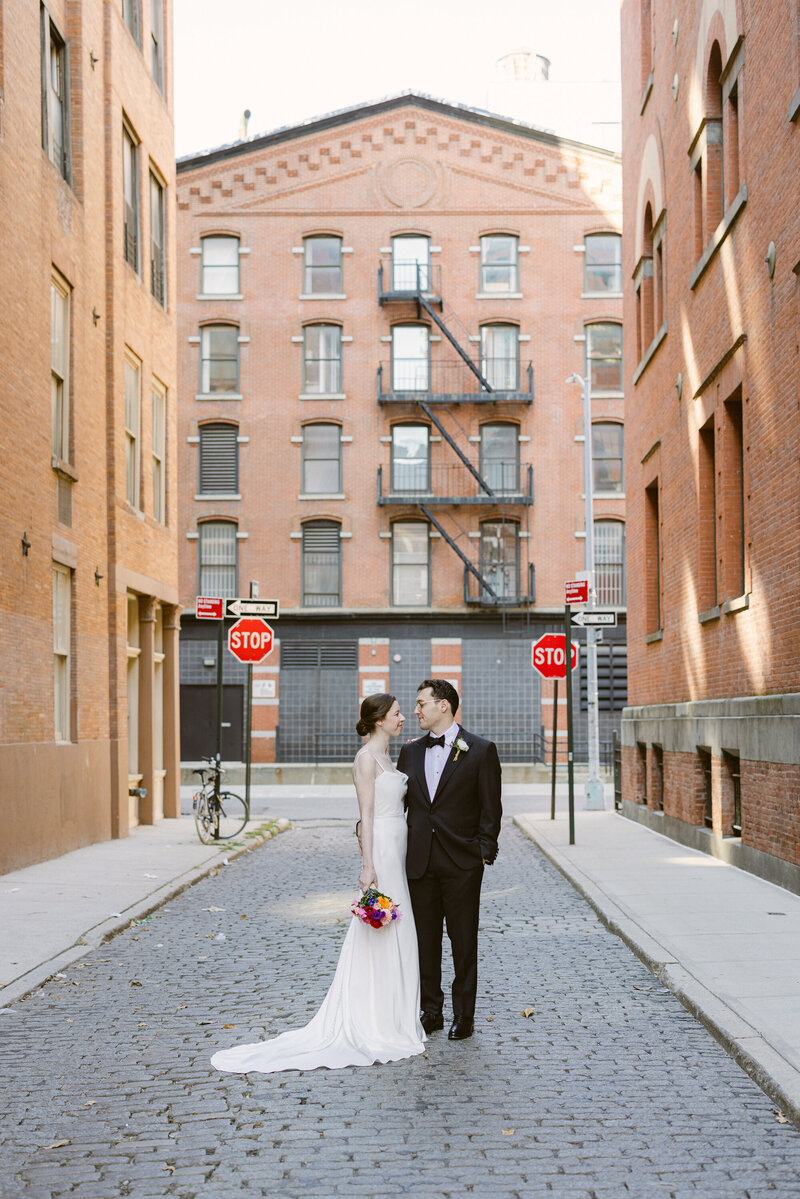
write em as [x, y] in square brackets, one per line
[375, 909]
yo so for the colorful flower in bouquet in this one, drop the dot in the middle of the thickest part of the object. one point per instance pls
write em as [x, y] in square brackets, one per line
[375, 909]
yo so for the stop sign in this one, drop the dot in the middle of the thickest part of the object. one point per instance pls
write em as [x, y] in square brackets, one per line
[250, 639]
[549, 655]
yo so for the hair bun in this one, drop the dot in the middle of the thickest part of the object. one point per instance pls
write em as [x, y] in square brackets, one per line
[362, 729]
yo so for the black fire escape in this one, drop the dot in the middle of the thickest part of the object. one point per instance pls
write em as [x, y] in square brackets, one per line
[437, 387]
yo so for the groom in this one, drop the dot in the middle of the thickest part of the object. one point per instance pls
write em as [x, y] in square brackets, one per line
[454, 811]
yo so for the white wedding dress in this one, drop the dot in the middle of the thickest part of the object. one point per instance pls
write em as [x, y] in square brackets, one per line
[371, 1012]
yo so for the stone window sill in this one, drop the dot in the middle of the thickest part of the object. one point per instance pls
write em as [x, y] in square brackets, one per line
[794, 107]
[718, 237]
[650, 353]
[322, 395]
[64, 469]
[323, 295]
[651, 638]
[739, 604]
[322, 495]
[648, 88]
[221, 295]
[601, 295]
[709, 615]
[499, 295]
[218, 395]
[218, 495]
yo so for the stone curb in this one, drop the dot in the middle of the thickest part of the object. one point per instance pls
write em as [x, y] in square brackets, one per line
[20, 987]
[777, 1077]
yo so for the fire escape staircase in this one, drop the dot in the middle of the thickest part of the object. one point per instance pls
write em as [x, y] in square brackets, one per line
[426, 302]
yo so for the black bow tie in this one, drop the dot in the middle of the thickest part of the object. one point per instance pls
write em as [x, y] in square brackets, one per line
[431, 741]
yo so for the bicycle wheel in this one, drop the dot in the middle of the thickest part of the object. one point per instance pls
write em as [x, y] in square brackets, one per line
[233, 814]
[204, 819]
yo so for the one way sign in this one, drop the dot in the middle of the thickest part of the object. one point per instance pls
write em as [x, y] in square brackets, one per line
[609, 619]
[251, 607]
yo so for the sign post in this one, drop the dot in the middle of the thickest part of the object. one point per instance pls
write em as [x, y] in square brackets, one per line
[555, 752]
[570, 743]
[248, 751]
[549, 655]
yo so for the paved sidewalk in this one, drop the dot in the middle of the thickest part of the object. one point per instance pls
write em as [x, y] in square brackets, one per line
[56, 911]
[725, 942]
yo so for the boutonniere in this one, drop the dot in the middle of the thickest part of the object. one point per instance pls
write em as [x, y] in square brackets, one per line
[461, 747]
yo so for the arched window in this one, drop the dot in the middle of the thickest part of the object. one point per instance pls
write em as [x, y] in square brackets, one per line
[411, 451]
[322, 360]
[322, 564]
[499, 457]
[609, 562]
[219, 459]
[499, 557]
[410, 564]
[219, 359]
[607, 457]
[715, 161]
[602, 264]
[322, 459]
[500, 356]
[322, 265]
[645, 316]
[604, 357]
[220, 265]
[410, 368]
[217, 558]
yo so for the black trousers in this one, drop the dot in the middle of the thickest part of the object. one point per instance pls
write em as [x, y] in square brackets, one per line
[447, 893]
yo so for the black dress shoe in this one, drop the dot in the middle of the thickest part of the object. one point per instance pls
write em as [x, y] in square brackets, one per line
[460, 1029]
[430, 1021]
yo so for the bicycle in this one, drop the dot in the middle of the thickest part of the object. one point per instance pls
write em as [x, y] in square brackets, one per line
[218, 815]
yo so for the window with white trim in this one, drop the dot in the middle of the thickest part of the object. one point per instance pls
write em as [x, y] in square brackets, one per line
[130, 197]
[499, 557]
[220, 265]
[158, 246]
[322, 564]
[219, 459]
[499, 456]
[322, 359]
[322, 459]
[500, 356]
[157, 42]
[411, 263]
[62, 623]
[499, 263]
[609, 561]
[133, 395]
[607, 456]
[219, 359]
[604, 357]
[411, 458]
[59, 365]
[132, 16]
[322, 265]
[602, 263]
[410, 366]
[55, 95]
[159, 434]
[410, 564]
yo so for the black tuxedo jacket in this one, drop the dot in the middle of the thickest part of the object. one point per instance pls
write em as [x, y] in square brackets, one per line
[466, 811]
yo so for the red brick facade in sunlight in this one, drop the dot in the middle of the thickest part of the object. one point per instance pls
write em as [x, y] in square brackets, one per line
[711, 260]
[88, 497]
[378, 314]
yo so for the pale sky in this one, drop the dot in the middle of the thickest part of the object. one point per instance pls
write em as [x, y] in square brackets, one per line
[290, 60]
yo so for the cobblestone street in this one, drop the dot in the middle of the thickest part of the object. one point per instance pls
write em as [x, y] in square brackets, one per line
[608, 1089]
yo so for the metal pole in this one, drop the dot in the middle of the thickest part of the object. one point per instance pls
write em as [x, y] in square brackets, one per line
[249, 734]
[555, 752]
[220, 633]
[570, 745]
[594, 788]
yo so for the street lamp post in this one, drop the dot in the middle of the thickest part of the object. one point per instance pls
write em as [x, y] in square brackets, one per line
[595, 794]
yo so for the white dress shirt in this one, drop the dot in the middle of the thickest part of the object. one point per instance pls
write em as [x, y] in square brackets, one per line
[435, 759]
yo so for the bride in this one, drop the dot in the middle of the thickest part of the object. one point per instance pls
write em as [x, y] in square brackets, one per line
[371, 1012]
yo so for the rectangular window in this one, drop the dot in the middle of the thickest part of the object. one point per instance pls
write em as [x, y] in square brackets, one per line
[219, 359]
[641, 772]
[500, 356]
[159, 400]
[604, 357]
[699, 219]
[158, 260]
[55, 96]
[499, 262]
[609, 562]
[602, 263]
[219, 459]
[59, 366]
[130, 188]
[62, 587]
[500, 457]
[499, 558]
[732, 792]
[323, 266]
[132, 426]
[607, 458]
[612, 679]
[410, 458]
[410, 358]
[322, 458]
[704, 762]
[157, 42]
[707, 518]
[410, 564]
[132, 16]
[658, 777]
[652, 565]
[220, 269]
[322, 360]
[322, 572]
[218, 558]
[411, 270]
[733, 498]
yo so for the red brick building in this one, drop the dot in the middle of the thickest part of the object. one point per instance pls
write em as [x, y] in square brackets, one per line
[379, 310]
[88, 503]
[711, 261]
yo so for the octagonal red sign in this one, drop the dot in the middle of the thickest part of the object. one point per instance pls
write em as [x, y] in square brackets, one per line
[549, 655]
[250, 639]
